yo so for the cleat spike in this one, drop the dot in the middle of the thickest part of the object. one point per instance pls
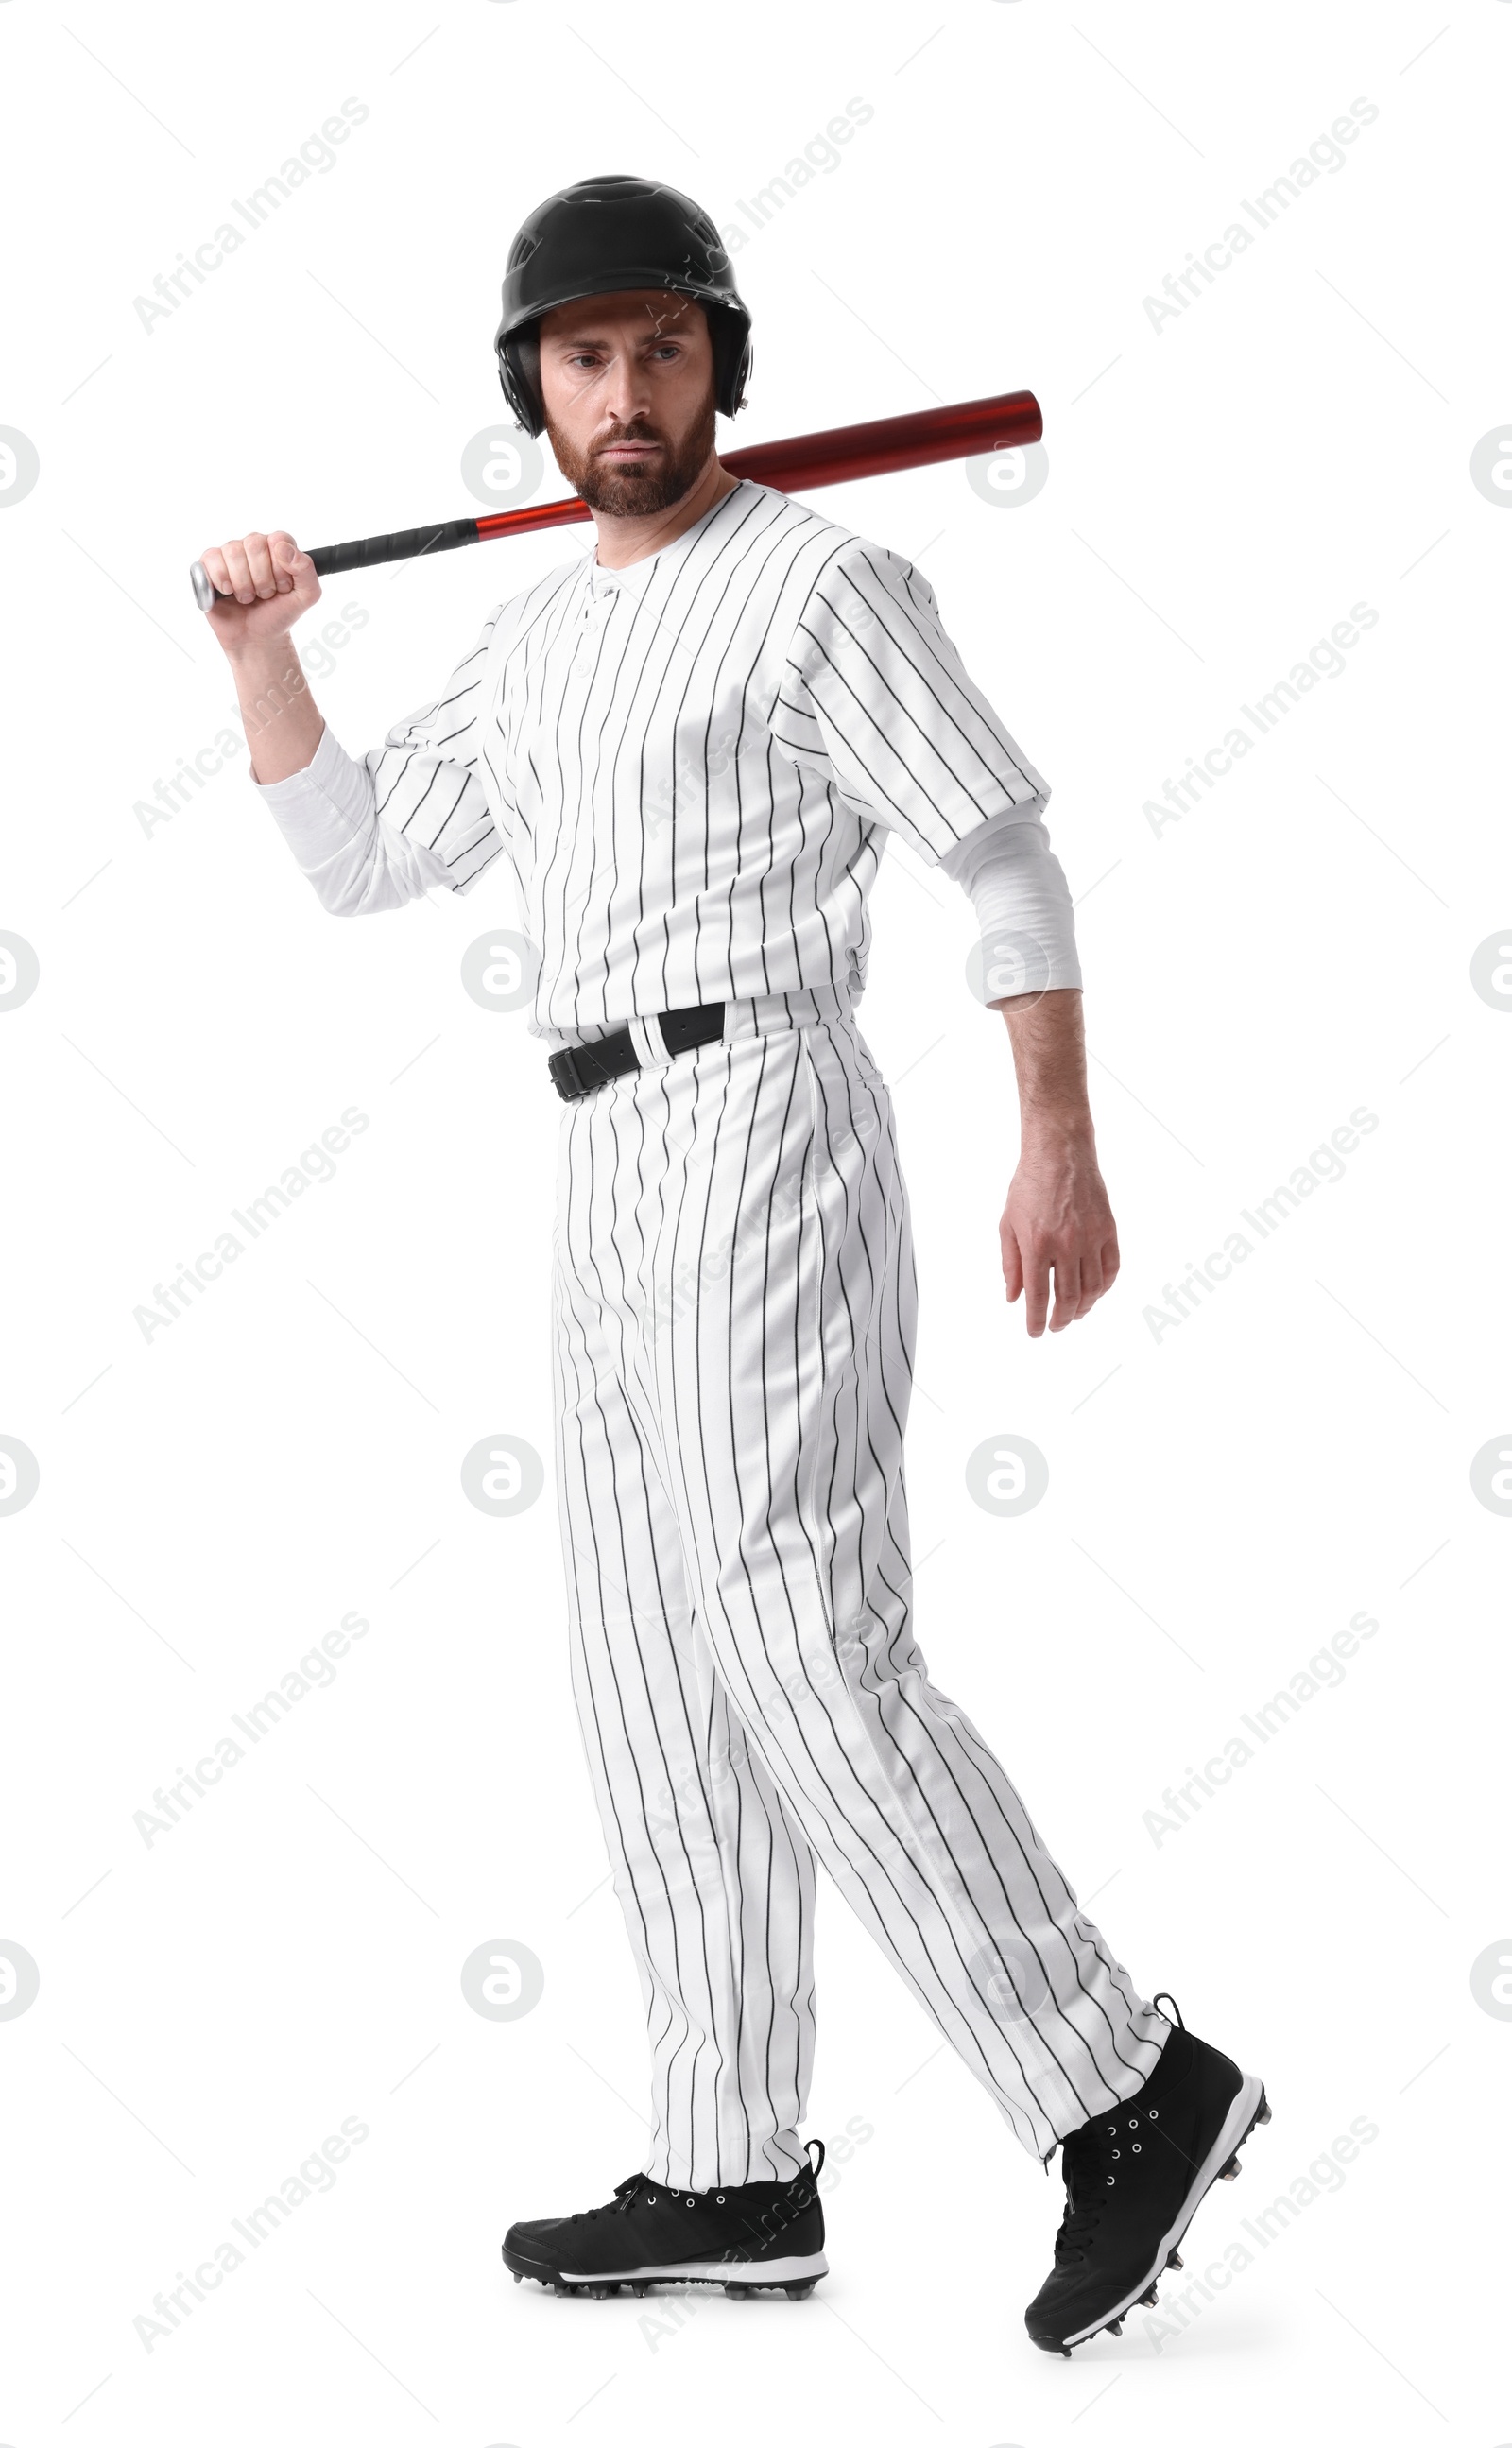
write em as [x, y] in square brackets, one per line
[1229, 2172]
[1066, 2351]
[796, 2289]
[640, 2286]
[737, 2294]
[1152, 2297]
[1116, 2328]
[1174, 2261]
[1264, 2117]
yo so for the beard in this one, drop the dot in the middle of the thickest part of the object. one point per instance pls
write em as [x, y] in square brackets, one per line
[628, 493]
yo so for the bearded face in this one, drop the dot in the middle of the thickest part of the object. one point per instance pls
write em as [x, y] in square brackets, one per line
[628, 387]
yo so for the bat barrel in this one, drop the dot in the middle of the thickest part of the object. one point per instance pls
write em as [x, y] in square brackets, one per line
[929, 434]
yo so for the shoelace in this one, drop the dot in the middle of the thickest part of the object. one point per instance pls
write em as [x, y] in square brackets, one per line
[627, 2192]
[1084, 2166]
[625, 2195]
[1091, 2160]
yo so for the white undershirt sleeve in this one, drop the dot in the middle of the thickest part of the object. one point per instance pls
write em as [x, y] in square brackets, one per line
[355, 859]
[1023, 904]
[375, 831]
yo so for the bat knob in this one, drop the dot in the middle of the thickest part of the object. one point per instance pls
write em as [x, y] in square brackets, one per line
[205, 594]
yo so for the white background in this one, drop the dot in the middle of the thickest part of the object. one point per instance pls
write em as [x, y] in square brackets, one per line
[1223, 490]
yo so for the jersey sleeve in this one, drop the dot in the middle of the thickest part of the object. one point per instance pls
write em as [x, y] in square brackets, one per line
[374, 831]
[875, 699]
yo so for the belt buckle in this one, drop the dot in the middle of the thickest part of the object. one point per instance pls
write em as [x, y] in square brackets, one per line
[564, 1068]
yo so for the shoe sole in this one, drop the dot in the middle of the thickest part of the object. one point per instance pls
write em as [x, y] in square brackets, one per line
[1248, 2109]
[795, 2276]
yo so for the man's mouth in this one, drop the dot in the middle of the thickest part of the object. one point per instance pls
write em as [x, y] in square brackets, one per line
[627, 455]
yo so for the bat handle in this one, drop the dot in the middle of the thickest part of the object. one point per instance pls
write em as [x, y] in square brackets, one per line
[407, 544]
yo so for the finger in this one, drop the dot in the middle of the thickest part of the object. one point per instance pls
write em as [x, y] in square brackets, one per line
[214, 563]
[1036, 1289]
[259, 565]
[1111, 1262]
[1012, 1262]
[287, 560]
[239, 574]
[1067, 1292]
[1091, 1282]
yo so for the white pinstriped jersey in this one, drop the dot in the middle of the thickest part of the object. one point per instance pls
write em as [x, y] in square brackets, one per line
[691, 766]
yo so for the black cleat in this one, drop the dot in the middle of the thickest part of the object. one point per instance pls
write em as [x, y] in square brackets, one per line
[1134, 2178]
[749, 2239]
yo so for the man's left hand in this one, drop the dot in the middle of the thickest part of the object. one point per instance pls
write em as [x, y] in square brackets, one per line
[1058, 1225]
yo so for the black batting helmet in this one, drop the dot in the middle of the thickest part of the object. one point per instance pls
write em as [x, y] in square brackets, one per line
[617, 233]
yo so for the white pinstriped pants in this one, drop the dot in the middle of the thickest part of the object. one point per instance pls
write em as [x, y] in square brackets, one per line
[734, 1313]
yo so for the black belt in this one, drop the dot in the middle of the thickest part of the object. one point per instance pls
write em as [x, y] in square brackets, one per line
[576, 1069]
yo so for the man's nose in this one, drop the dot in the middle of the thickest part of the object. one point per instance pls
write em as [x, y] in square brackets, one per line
[627, 391]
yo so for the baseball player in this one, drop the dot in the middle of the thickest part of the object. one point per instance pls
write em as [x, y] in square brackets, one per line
[688, 746]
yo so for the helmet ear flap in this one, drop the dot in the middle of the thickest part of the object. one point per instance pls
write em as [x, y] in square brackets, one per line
[731, 338]
[520, 377]
[743, 376]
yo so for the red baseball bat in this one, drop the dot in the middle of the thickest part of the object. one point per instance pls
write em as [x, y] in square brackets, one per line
[844, 453]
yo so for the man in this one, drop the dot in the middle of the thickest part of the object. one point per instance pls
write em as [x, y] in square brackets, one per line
[688, 746]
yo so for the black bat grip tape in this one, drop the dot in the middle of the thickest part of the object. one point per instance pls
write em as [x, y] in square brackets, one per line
[407, 545]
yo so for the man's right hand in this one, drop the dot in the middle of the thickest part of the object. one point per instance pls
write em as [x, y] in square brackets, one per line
[271, 585]
[264, 584]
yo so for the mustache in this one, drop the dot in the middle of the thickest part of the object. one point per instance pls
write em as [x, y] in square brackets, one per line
[637, 432]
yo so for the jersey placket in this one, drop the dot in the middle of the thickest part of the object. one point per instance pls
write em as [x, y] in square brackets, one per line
[567, 882]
